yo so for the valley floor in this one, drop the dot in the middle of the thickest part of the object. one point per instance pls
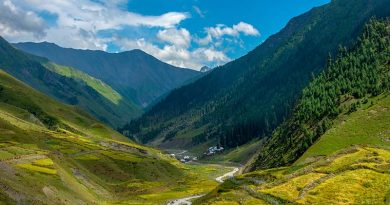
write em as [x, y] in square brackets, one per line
[188, 200]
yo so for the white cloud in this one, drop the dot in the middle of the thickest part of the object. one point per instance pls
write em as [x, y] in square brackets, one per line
[100, 16]
[211, 55]
[247, 29]
[198, 11]
[79, 23]
[221, 30]
[176, 55]
[179, 37]
[16, 22]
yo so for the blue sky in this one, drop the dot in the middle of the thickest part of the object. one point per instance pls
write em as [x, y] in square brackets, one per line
[185, 33]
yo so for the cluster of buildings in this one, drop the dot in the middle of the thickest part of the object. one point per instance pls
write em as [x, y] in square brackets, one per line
[185, 159]
[213, 150]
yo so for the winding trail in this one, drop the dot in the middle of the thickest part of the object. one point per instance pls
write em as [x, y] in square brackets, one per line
[188, 200]
[184, 201]
[228, 175]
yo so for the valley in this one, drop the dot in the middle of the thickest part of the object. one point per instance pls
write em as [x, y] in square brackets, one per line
[82, 160]
[248, 98]
[112, 114]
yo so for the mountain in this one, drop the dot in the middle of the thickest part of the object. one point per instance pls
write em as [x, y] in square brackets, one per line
[348, 82]
[136, 75]
[68, 85]
[205, 69]
[343, 117]
[53, 153]
[249, 97]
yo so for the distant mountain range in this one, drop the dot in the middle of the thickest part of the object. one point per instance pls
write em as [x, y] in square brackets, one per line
[136, 78]
[68, 85]
[136, 75]
[249, 97]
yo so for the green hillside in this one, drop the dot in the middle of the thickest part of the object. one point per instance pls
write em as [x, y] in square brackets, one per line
[355, 175]
[348, 82]
[349, 164]
[52, 153]
[68, 85]
[139, 77]
[98, 85]
[368, 125]
[249, 97]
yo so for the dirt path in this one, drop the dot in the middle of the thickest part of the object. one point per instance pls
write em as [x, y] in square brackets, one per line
[188, 200]
[228, 175]
[24, 158]
[184, 201]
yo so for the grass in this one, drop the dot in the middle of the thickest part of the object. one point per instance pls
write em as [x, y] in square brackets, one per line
[43, 162]
[36, 168]
[105, 104]
[357, 175]
[238, 155]
[200, 180]
[82, 160]
[353, 187]
[98, 85]
[349, 164]
[291, 188]
[369, 125]
[5, 155]
[237, 197]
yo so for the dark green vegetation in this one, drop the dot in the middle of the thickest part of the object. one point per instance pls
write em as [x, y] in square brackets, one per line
[368, 125]
[137, 76]
[249, 97]
[346, 84]
[68, 85]
[52, 153]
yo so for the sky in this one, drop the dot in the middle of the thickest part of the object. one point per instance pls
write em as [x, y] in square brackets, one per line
[184, 33]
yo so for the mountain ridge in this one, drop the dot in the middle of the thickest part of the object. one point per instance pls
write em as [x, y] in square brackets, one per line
[135, 74]
[347, 82]
[36, 72]
[250, 96]
[334, 149]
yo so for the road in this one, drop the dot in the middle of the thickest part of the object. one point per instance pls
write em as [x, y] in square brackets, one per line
[226, 176]
[184, 201]
[188, 200]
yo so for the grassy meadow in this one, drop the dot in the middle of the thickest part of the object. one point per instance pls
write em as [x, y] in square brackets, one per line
[349, 164]
[51, 153]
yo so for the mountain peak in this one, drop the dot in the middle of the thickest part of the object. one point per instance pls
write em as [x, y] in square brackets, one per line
[129, 72]
[205, 69]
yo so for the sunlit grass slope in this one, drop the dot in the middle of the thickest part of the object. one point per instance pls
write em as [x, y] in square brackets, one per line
[101, 87]
[369, 125]
[355, 175]
[68, 85]
[349, 164]
[51, 153]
